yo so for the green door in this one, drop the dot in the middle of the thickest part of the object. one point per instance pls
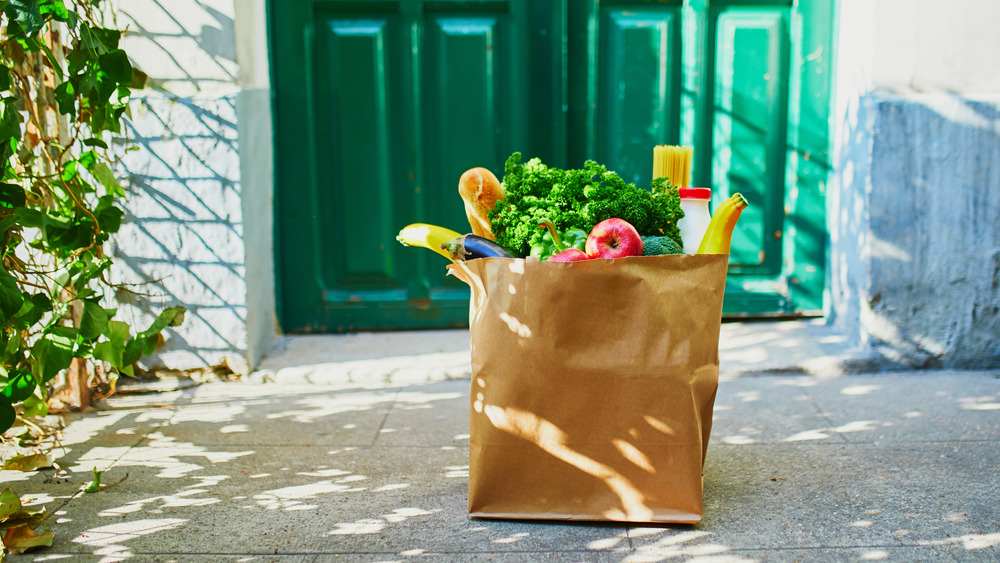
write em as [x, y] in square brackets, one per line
[747, 84]
[381, 105]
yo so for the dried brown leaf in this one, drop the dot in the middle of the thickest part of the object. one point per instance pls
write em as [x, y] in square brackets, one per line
[23, 537]
[32, 462]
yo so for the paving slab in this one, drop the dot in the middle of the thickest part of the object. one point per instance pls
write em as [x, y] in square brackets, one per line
[810, 466]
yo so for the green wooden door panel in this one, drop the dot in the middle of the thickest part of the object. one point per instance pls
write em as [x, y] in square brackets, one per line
[355, 124]
[473, 113]
[770, 134]
[748, 140]
[808, 162]
[381, 107]
[639, 93]
[359, 104]
[746, 83]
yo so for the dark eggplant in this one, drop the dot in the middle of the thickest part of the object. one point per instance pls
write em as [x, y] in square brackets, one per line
[470, 247]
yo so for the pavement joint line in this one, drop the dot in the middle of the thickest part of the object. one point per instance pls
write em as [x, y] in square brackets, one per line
[886, 446]
[607, 551]
[820, 547]
[823, 414]
[385, 418]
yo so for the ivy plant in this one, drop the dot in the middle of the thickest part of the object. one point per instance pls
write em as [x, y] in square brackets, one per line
[65, 84]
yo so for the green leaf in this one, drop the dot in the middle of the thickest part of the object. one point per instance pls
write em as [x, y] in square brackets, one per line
[66, 98]
[69, 172]
[19, 388]
[109, 216]
[4, 77]
[11, 195]
[34, 406]
[11, 347]
[7, 416]
[95, 142]
[27, 42]
[27, 14]
[10, 505]
[54, 352]
[11, 509]
[7, 149]
[107, 178]
[95, 484]
[171, 316]
[145, 342]
[93, 320]
[113, 349]
[8, 222]
[10, 121]
[34, 308]
[137, 348]
[116, 65]
[58, 11]
[69, 235]
[11, 296]
[98, 40]
[118, 332]
[32, 218]
[88, 159]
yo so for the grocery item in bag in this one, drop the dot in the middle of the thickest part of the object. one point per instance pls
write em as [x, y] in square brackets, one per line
[593, 385]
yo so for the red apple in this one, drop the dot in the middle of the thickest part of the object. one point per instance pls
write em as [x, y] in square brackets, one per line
[570, 255]
[614, 238]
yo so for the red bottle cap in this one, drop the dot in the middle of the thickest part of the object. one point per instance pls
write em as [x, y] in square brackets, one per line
[695, 193]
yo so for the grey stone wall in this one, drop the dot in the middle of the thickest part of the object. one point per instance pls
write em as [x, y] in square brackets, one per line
[935, 224]
[916, 259]
[914, 199]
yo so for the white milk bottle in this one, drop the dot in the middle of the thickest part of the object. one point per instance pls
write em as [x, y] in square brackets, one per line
[694, 203]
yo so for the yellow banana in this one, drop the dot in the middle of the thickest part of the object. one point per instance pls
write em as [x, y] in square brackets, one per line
[427, 236]
[720, 229]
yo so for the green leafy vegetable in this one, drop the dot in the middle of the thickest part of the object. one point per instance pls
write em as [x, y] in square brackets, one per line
[576, 199]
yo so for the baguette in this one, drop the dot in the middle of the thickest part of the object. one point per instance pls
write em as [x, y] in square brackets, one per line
[480, 190]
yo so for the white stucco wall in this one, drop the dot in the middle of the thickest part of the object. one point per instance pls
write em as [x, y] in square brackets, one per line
[915, 200]
[199, 182]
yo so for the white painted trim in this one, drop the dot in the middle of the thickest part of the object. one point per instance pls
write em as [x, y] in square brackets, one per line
[256, 135]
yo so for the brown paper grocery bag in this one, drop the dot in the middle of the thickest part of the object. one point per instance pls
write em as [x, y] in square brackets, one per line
[592, 386]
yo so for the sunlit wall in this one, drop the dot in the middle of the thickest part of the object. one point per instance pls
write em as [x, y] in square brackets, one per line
[914, 204]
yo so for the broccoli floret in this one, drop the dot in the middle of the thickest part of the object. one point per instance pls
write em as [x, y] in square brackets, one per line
[658, 246]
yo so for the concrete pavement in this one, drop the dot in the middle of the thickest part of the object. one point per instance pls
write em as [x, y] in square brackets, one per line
[355, 448]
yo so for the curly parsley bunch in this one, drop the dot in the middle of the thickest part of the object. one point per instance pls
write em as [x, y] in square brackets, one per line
[576, 199]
